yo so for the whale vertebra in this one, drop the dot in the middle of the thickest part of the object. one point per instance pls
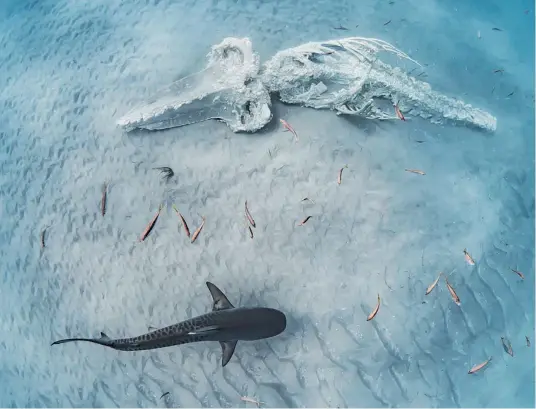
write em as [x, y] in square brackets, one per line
[225, 324]
[343, 75]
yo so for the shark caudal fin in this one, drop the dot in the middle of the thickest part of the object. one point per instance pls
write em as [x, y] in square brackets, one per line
[104, 340]
[220, 300]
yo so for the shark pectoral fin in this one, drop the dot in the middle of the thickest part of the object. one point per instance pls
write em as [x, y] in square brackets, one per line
[220, 300]
[227, 349]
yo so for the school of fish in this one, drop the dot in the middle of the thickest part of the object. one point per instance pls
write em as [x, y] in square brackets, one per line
[506, 344]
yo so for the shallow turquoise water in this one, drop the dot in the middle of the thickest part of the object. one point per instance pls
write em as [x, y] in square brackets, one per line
[70, 68]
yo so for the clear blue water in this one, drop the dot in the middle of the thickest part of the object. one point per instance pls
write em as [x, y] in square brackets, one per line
[70, 68]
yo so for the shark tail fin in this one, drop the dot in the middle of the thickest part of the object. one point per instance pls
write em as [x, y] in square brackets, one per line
[104, 340]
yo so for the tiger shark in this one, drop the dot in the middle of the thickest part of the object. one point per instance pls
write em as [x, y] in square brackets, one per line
[225, 324]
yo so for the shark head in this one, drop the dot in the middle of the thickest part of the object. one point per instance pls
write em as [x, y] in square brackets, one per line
[226, 90]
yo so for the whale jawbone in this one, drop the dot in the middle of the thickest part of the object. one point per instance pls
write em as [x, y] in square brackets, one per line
[226, 90]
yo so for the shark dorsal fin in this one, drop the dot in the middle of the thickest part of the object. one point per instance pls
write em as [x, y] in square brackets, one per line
[220, 300]
[227, 351]
[104, 336]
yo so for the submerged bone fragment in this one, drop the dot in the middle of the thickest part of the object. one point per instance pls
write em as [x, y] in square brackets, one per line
[227, 90]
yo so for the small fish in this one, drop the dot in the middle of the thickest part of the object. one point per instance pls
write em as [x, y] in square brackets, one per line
[432, 286]
[306, 198]
[528, 341]
[375, 311]
[251, 400]
[386, 23]
[168, 172]
[417, 171]
[103, 200]
[498, 70]
[399, 113]
[289, 128]
[164, 394]
[150, 225]
[496, 29]
[304, 221]
[340, 28]
[478, 367]
[519, 273]
[526, 12]
[339, 178]
[43, 237]
[510, 94]
[184, 224]
[507, 346]
[453, 293]
[468, 258]
[196, 233]
[385, 279]
[248, 215]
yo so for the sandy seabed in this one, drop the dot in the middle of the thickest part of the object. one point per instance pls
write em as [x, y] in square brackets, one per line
[70, 68]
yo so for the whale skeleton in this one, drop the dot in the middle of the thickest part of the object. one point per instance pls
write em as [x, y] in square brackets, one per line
[344, 75]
